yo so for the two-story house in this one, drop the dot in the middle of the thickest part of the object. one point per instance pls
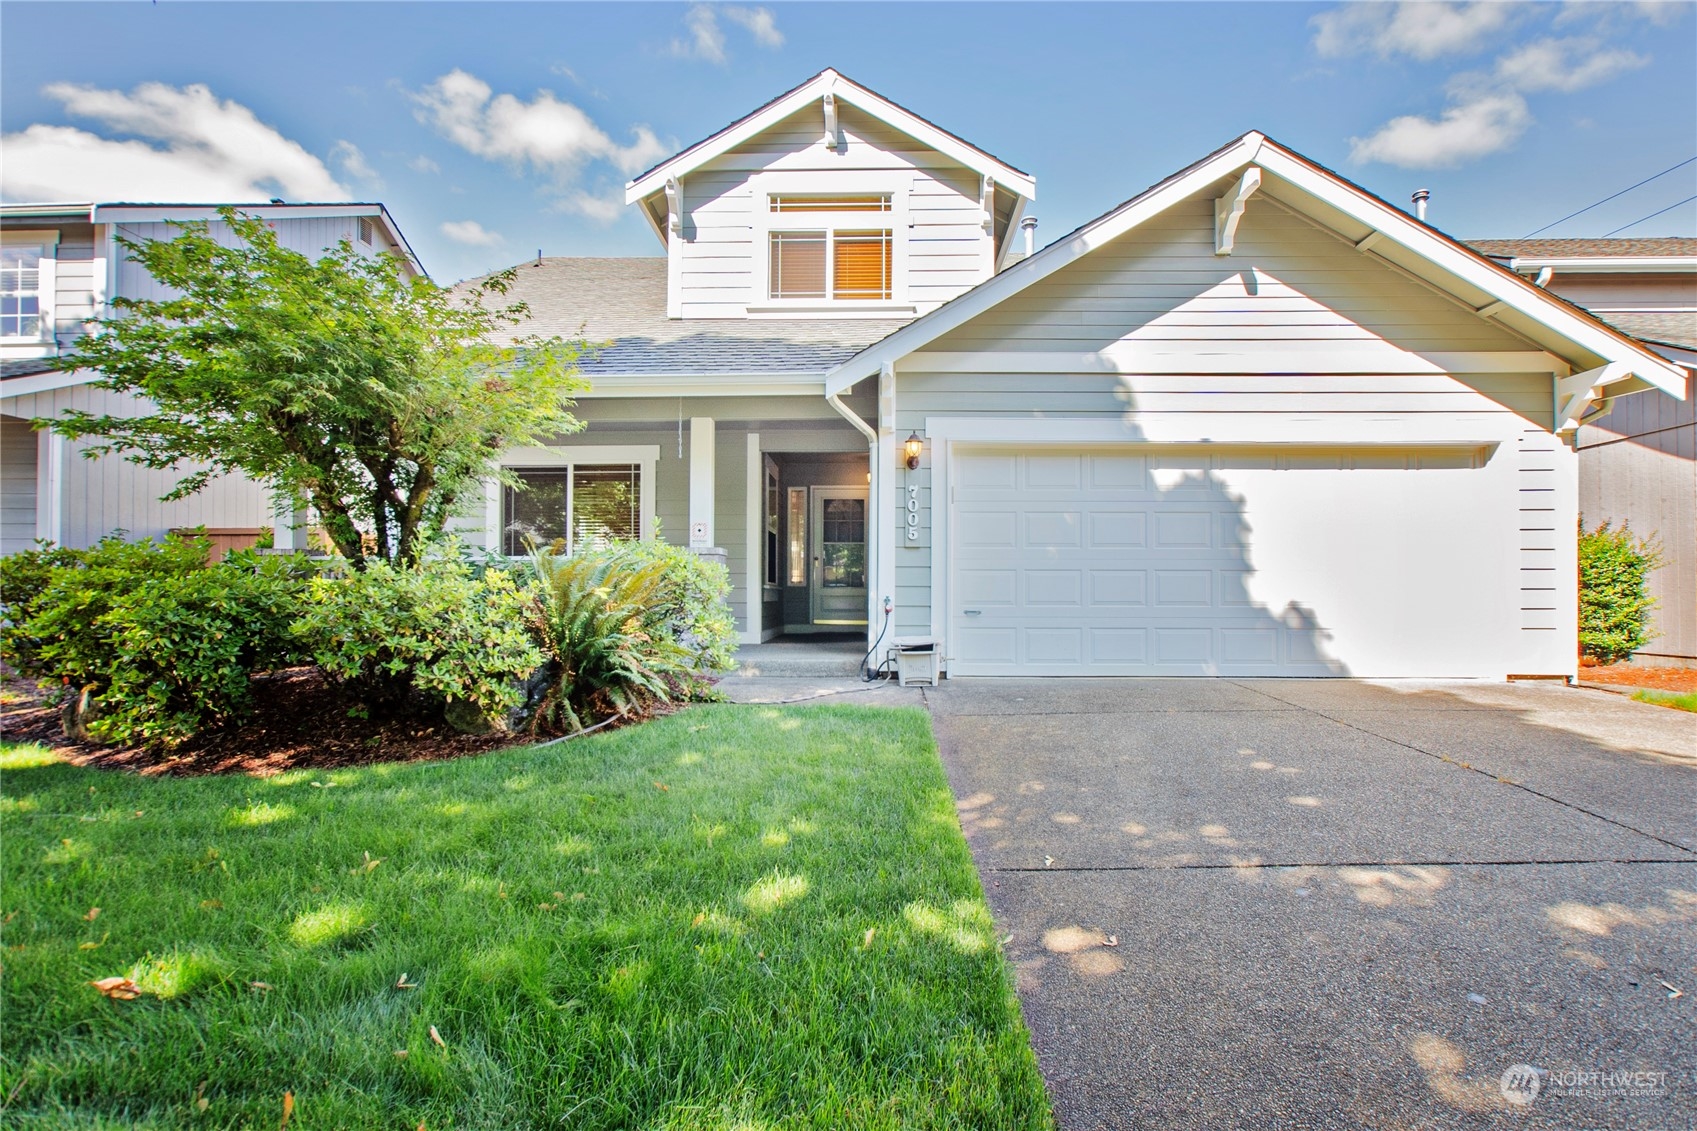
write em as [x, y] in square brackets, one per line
[1254, 420]
[60, 265]
[1637, 459]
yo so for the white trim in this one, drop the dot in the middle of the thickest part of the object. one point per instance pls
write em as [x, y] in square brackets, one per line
[46, 382]
[1461, 266]
[49, 485]
[754, 540]
[45, 342]
[646, 456]
[765, 185]
[1601, 265]
[881, 537]
[703, 460]
[1229, 209]
[830, 82]
[1261, 357]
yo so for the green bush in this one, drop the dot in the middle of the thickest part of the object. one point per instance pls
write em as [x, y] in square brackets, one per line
[602, 618]
[694, 604]
[182, 647]
[1614, 606]
[388, 631]
[54, 629]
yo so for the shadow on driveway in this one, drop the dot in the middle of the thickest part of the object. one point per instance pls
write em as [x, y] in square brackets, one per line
[1242, 903]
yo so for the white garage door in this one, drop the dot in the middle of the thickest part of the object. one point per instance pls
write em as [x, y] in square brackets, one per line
[1135, 562]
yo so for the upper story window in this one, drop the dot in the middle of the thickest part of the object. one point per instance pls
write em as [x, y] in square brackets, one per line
[20, 290]
[833, 253]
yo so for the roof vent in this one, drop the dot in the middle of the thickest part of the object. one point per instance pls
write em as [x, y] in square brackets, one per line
[276, 200]
[1029, 227]
[1421, 196]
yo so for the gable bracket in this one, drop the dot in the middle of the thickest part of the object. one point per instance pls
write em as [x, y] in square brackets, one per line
[1228, 210]
[1369, 241]
[1575, 395]
[830, 140]
[1491, 309]
[674, 208]
[987, 203]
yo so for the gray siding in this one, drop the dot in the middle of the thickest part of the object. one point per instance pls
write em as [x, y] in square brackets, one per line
[1638, 466]
[17, 485]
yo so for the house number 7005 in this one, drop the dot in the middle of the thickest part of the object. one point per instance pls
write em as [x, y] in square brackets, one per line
[912, 513]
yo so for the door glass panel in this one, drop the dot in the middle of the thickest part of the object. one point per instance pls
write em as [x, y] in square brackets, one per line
[843, 549]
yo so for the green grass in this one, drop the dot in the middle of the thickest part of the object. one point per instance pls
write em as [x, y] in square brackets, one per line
[1682, 702]
[596, 951]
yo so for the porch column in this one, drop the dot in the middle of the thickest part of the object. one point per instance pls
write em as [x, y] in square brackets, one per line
[49, 486]
[288, 526]
[702, 453]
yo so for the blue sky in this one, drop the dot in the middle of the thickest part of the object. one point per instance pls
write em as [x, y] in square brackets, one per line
[492, 130]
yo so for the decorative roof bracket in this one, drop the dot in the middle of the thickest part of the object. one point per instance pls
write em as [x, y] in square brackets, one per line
[1228, 210]
[831, 139]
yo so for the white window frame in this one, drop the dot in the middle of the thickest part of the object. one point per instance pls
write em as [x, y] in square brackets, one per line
[764, 186]
[772, 503]
[551, 458]
[46, 342]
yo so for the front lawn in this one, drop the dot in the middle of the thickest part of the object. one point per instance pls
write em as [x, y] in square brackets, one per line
[735, 917]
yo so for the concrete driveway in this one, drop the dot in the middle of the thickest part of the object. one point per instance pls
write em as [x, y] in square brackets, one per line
[1242, 903]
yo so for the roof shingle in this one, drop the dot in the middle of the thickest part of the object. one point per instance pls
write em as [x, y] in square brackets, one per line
[1584, 248]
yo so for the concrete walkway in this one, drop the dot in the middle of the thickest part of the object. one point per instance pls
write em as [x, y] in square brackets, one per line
[804, 670]
[1239, 903]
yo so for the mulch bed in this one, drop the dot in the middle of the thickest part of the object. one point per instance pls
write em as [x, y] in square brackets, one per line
[1656, 679]
[300, 721]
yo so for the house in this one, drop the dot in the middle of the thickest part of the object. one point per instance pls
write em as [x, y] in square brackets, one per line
[60, 266]
[1638, 459]
[1252, 421]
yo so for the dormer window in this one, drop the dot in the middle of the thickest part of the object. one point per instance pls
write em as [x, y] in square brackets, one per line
[846, 260]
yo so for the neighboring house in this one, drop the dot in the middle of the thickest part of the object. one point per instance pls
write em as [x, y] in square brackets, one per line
[1638, 459]
[60, 266]
[1253, 421]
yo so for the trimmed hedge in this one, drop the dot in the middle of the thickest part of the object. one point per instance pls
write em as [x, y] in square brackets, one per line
[1614, 601]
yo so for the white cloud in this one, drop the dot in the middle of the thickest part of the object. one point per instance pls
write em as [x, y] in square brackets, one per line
[1473, 128]
[760, 23]
[545, 132]
[423, 164]
[1420, 29]
[471, 233]
[209, 151]
[706, 38]
[1565, 64]
[1662, 13]
[604, 209]
[346, 154]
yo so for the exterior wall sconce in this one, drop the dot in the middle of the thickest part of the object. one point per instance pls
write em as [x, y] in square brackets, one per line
[911, 449]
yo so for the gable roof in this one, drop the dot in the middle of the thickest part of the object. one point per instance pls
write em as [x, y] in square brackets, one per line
[1588, 248]
[1373, 225]
[826, 82]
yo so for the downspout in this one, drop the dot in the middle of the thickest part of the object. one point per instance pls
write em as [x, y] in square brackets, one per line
[874, 528]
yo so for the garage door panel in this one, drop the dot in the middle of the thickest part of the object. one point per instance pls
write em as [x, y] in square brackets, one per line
[1118, 529]
[1191, 588]
[981, 473]
[1183, 645]
[1055, 587]
[988, 646]
[1054, 646]
[1249, 646]
[1052, 472]
[1119, 473]
[1046, 529]
[1183, 529]
[1119, 587]
[983, 587]
[979, 529]
[1118, 647]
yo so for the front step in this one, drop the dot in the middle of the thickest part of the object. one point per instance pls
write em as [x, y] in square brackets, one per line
[798, 660]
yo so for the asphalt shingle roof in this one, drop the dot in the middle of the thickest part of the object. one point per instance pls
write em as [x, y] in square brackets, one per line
[1584, 248]
[623, 302]
[1673, 328]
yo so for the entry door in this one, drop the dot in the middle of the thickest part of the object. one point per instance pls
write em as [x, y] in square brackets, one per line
[839, 555]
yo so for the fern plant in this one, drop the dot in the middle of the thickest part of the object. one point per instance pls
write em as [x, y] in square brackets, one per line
[599, 620]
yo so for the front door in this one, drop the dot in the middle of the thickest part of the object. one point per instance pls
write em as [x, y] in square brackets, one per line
[839, 555]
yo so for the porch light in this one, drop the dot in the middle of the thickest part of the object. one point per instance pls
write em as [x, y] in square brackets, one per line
[912, 449]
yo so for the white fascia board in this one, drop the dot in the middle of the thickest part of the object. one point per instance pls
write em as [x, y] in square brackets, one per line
[156, 213]
[797, 384]
[46, 382]
[1502, 285]
[1608, 265]
[829, 82]
[1041, 265]
[74, 210]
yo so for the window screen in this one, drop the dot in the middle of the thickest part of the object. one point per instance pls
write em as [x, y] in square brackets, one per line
[20, 291]
[798, 264]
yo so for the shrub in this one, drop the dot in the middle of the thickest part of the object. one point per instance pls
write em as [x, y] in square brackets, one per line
[182, 647]
[602, 618]
[56, 633]
[694, 604]
[1614, 607]
[388, 631]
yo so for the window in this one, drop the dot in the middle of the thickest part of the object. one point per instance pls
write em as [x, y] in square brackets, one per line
[366, 231]
[572, 507]
[850, 262]
[798, 535]
[20, 290]
[774, 548]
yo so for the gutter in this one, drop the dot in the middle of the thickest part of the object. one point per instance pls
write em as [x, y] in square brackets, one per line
[848, 414]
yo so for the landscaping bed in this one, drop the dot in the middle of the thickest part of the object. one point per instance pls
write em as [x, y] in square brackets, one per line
[1655, 679]
[733, 916]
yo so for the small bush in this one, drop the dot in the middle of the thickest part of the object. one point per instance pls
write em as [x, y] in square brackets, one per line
[182, 648]
[1614, 606]
[388, 631]
[694, 604]
[55, 632]
[602, 618]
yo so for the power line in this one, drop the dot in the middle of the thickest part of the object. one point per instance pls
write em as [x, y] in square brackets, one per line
[1606, 199]
[1651, 216]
